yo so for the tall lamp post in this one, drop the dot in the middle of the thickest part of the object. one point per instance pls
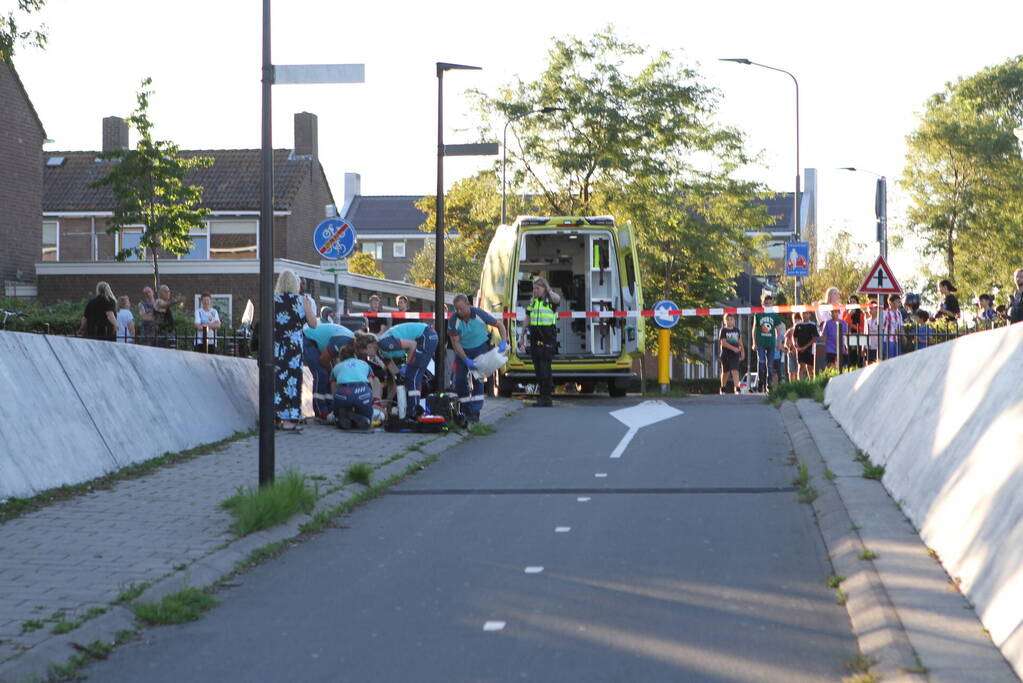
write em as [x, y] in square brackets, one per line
[504, 154]
[796, 199]
[880, 208]
[293, 74]
[486, 148]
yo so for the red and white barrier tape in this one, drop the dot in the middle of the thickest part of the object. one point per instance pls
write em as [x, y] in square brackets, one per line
[683, 312]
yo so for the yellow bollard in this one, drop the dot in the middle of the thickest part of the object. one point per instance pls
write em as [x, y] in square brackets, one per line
[663, 359]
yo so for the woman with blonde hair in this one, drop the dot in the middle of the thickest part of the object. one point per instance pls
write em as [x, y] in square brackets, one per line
[99, 321]
[290, 311]
[125, 321]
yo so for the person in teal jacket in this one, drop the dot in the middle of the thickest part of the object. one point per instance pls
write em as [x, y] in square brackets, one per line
[353, 394]
[318, 341]
[416, 342]
[470, 337]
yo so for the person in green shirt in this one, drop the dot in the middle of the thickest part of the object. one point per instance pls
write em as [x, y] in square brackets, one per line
[765, 339]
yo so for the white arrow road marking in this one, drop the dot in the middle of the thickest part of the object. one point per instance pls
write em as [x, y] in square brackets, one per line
[494, 625]
[534, 570]
[639, 416]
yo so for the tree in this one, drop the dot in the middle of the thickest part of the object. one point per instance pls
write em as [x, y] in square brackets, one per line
[638, 141]
[364, 263]
[12, 33]
[149, 185]
[461, 268]
[964, 177]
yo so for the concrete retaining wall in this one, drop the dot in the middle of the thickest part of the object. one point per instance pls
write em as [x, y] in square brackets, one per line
[947, 424]
[75, 409]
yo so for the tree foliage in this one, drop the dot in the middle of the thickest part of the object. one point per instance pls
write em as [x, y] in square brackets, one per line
[12, 32]
[841, 268]
[149, 185]
[364, 263]
[964, 178]
[638, 141]
[461, 268]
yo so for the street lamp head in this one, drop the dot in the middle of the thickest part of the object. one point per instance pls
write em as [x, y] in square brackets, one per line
[737, 60]
[447, 66]
[846, 168]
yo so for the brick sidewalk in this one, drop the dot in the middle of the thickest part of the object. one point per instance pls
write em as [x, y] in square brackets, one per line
[81, 554]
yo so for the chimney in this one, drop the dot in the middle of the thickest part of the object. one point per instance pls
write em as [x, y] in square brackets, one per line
[305, 135]
[115, 134]
[353, 187]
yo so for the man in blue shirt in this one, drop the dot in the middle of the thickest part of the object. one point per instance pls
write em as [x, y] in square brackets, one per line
[470, 337]
[316, 353]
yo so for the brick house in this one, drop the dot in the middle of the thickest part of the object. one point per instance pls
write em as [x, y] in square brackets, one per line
[224, 255]
[21, 193]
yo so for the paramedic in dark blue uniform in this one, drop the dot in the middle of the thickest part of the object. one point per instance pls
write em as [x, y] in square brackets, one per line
[416, 342]
[470, 337]
[317, 342]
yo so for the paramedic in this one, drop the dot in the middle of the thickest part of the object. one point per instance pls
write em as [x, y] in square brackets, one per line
[543, 337]
[470, 337]
[416, 342]
[317, 342]
[353, 394]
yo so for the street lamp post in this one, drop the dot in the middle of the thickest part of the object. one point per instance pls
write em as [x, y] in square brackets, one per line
[504, 154]
[796, 200]
[880, 208]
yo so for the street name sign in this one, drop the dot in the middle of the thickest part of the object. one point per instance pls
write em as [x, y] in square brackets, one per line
[880, 280]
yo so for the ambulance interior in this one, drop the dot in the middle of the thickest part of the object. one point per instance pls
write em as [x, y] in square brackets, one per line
[582, 267]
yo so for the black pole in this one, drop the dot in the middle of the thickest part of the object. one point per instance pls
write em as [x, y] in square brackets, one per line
[266, 265]
[439, 319]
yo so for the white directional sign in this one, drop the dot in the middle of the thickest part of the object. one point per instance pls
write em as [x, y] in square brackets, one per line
[639, 416]
[880, 280]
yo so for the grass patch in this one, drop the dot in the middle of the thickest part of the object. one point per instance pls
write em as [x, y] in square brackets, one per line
[801, 388]
[130, 593]
[481, 429]
[31, 625]
[260, 555]
[829, 475]
[840, 597]
[359, 473]
[65, 626]
[835, 580]
[177, 608]
[872, 471]
[803, 476]
[807, 495]
[260, 508]
[16, 507]
[860, 666]
[867, 555]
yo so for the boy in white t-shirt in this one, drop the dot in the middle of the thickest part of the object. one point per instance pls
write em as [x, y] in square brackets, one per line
[125, 321]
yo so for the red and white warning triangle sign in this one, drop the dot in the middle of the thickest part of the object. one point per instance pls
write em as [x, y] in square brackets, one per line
[880, 280]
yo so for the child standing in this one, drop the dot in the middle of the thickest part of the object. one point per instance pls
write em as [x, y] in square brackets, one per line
[923, 330]
[805, 335]
[125, 321]
[732, 353]
[836, 332]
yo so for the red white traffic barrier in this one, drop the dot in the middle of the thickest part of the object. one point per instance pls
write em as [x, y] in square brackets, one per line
[682, 312]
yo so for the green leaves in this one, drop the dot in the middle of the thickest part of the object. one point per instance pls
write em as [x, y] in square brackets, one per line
[12, 33]
[149, 183]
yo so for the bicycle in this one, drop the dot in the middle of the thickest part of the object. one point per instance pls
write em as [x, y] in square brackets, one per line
[9, 314]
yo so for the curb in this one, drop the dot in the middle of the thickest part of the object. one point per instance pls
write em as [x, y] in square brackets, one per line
[37, 663]
[878, 629]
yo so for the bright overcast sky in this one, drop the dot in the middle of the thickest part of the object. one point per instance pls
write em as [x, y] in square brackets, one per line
[864, 70]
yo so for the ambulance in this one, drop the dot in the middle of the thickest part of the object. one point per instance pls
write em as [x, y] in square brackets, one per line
[593, 265]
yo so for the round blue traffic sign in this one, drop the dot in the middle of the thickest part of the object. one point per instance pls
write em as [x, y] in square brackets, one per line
[662, 316]
[334, 238]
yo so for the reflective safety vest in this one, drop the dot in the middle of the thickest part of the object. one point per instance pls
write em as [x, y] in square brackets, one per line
[540, 313]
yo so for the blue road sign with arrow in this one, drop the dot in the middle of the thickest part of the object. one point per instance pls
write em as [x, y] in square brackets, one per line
[662, 315]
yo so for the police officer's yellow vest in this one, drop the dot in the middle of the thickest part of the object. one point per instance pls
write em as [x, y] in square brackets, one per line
[540, 313]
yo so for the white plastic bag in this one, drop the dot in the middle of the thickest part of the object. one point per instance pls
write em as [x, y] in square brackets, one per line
[489, 363]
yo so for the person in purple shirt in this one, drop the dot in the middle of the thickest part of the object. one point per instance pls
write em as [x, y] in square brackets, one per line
[832, 331]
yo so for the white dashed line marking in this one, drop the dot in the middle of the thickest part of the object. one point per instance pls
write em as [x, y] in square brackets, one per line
[600, 475]
[562, 529]
[583, 499]
[494, 625]
[534, 570]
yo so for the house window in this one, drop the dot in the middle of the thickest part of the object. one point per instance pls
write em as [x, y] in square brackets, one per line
[399, 249]
[375, 249]
[200, 243]
[233, 239]
[129, 238]
[51, 240]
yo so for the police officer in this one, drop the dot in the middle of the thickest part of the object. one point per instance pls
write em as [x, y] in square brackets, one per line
[541, 329]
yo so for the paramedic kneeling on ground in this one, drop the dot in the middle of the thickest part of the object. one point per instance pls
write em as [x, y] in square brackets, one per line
[543, 337]
[470, 337]
[320, 344]
[417, 342]
[353, 394]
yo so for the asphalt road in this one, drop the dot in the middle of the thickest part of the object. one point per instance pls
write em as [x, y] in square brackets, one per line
[512, 559]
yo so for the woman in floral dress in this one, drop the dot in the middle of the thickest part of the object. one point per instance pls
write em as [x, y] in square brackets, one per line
[290, 311]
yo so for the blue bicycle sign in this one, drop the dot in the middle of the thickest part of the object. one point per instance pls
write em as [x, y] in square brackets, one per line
[334, 238]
